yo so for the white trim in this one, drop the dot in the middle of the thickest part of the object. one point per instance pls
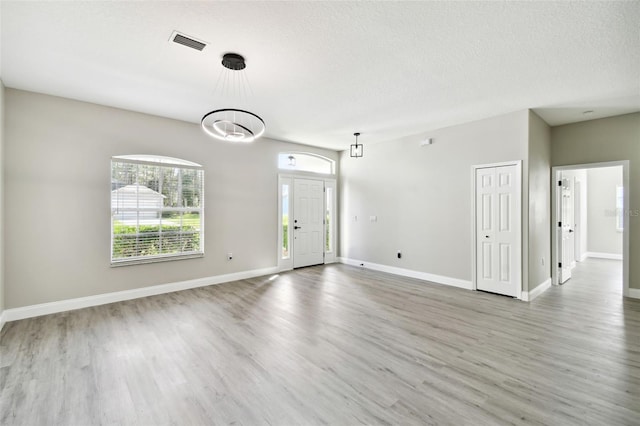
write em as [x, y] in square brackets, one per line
[554, 217]
[118, 296]
[598, 255]
[438, 279]
[519, 225]
[528, 296]
[158, 160]
[633, 293]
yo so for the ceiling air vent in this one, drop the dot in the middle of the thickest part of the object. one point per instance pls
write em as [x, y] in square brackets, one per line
[185, 40]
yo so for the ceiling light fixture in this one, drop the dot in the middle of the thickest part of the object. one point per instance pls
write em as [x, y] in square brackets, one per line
[232, 124]
[356, 150]
[292, 161]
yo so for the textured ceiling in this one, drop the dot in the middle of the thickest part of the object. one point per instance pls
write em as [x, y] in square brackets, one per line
[321, 70]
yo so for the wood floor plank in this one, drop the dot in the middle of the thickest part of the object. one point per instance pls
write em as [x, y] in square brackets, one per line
[333, 345]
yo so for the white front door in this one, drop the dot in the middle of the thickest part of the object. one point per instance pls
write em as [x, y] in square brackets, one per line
[565, 229]
[308, 222]
[498, 226]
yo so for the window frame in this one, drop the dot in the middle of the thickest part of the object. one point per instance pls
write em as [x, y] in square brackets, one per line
[159, 162]
[297, 168]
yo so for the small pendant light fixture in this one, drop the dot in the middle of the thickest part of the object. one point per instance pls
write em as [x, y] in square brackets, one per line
[230, 124]
[292, 161]
[356, 149]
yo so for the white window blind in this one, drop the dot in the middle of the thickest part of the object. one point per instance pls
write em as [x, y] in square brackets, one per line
[157, 209]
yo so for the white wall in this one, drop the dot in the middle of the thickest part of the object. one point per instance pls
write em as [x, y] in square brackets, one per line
[601, 204]
[421, 196]
[58, 186]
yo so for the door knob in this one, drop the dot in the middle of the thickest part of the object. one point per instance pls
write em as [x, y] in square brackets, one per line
[486, 236]
[297, 227]
[570, 230]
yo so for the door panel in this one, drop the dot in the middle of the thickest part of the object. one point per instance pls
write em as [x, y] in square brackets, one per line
[497, 266]
[505, 213]
[505, 263]
[487, 265]
[487, 210]
[308, 224]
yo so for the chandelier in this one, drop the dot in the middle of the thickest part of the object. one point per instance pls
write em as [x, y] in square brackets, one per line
[231, 124]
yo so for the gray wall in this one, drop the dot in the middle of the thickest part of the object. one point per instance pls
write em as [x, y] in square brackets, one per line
[422, 195]
[57, 193]
[539, 241]
[601, 205]
[607, 139]
[2, 291]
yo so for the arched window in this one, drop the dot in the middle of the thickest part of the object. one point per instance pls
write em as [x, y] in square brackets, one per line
[157, 209]
[306, 162]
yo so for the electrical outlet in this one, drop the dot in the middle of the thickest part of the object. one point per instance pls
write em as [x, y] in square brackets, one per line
[229, 256]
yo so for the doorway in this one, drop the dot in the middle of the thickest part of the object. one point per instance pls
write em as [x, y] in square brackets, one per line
[589, 202]
[306, 221]
[497, 228]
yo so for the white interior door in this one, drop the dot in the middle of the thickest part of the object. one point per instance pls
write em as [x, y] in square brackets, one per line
[565, 229]
[498, 226]
[308, 222]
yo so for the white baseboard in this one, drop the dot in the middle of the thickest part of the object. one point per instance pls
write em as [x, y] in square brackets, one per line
[633, 293]
[439, 279]
[118, 296]
[3, 319]
[613, 256]
[528, 296]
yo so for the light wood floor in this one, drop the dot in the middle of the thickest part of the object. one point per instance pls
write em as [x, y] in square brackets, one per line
[333, 345]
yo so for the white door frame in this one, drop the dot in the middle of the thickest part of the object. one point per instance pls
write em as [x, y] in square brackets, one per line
[577, 219]
[329, 182]
[554, 217]
[518, 225]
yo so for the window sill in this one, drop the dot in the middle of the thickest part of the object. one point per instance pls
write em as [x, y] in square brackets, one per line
[142, 261]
